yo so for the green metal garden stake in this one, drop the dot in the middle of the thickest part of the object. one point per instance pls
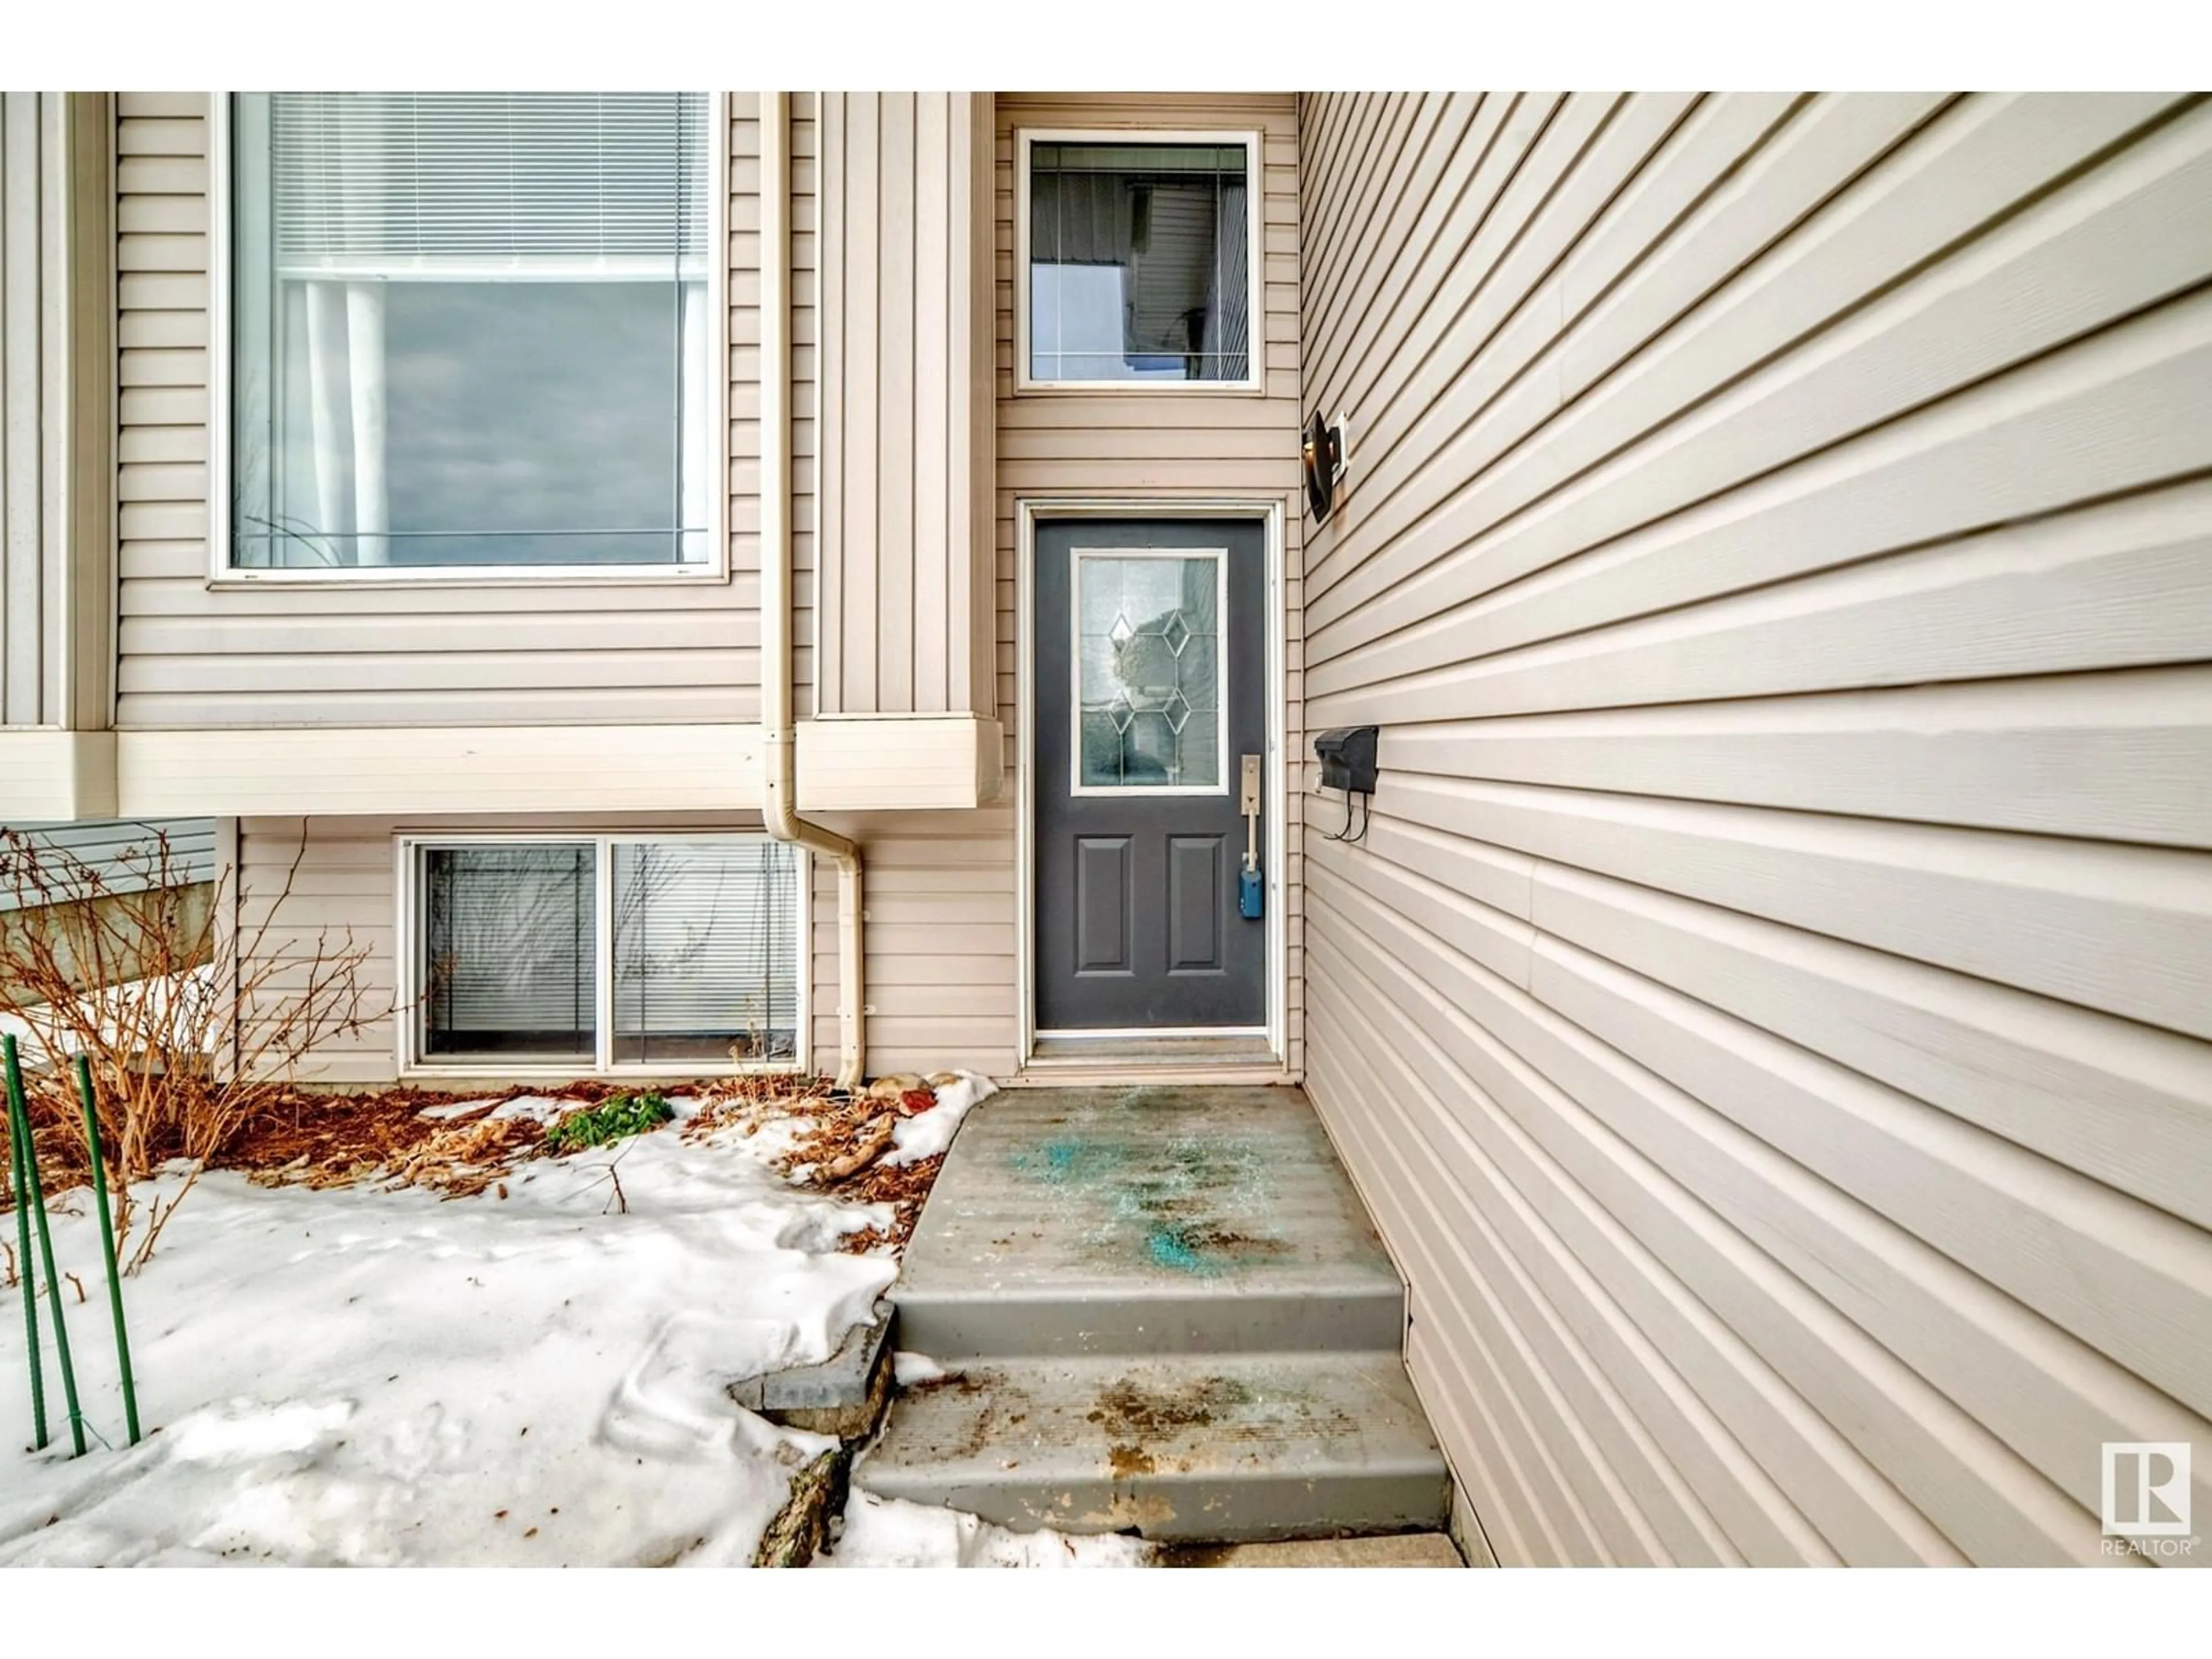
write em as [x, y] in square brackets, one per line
[107, 1244]
[35, 1194]
[19, 1118]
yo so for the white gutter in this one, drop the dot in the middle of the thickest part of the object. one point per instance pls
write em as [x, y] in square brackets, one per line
[779, 737]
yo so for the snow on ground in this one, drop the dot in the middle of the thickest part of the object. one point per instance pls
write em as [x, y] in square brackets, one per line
[909, 1369]
[914, 1138]
[890, 1532]
[361, 1377]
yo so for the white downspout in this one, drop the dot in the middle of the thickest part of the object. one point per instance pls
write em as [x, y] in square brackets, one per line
[778, 735]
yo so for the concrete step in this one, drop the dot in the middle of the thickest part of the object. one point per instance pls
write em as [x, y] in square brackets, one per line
[1218, 1449]
[1144, 1220]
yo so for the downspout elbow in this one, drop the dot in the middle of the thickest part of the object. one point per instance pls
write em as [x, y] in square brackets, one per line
[779, 813]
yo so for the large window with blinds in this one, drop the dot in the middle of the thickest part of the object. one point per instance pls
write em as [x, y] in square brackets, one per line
[1139, 258]
[473, 332]
[605, 952]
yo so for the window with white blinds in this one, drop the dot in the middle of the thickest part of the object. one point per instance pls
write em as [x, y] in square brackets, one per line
[386, 183]
[474, 330]
[511, 956]
[706, 950]
[699, 964]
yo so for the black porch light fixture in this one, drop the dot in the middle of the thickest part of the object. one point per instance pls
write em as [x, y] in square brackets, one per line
[1322, 456]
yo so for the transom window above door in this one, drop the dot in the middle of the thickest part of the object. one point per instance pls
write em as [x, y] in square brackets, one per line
[1137, 251]
[474, 332]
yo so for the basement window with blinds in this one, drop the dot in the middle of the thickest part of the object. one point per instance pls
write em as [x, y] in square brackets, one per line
[472, 331]
[606, 952]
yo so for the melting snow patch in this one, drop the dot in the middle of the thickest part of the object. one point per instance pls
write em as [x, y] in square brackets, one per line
[909, 1369]
[890, 1532]
[360, 1377]
[931, 1133]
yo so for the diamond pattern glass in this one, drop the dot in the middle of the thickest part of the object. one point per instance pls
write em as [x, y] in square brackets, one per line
[1148, 665]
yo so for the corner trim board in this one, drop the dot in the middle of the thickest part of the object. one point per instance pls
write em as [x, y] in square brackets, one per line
[51, 775]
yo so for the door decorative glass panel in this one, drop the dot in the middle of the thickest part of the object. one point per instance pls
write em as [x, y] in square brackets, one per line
[1148, 664]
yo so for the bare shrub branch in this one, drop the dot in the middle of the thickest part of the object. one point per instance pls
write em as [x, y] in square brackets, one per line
[189, 1027]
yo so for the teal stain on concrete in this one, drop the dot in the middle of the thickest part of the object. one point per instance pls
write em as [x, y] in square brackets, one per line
[1170, 1247]
[1198, 1206]
[1062, 1162]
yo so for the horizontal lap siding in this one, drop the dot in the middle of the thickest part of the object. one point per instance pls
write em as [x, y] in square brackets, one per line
[516, 653]
[940, 953]
[940, 956]
[319, 887]
[125, 855]
[1768, 1014]
[1156, 446]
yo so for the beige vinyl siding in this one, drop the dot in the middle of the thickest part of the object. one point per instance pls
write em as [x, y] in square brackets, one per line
[306, 885]
[56, 409]
[517, 651]
[1156, 446]
[31, 548]
[941, 958]
[908, 594]
[940, 962]
[806, 245]
[1768, 1014]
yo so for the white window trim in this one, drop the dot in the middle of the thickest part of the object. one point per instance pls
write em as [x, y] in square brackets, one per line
[408, 972]
[1256, 192]
[715, 568]
[1076, 786]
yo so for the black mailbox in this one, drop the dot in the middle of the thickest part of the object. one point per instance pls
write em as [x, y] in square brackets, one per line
[1347, 759]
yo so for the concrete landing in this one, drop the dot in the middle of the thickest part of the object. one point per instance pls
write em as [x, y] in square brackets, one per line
[1168, 1315]
[1146, 1221]
[1405, 1549]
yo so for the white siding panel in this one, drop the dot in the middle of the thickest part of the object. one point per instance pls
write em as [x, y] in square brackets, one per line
[1768, 1015]
[122, 852]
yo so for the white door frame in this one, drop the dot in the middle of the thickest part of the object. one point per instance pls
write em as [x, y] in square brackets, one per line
[1268, 511]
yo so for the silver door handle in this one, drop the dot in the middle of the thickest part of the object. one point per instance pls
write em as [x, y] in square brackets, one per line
[1250, 808]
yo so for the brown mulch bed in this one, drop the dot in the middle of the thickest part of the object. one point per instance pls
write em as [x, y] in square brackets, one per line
[903, 1186]
[839, 1151]
[327, 1139]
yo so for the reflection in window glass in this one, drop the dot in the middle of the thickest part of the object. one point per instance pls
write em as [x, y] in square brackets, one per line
[511, 956]
[1139, 263]
[706, 950]
[471, 330]
[1148, 671]
[701, 963]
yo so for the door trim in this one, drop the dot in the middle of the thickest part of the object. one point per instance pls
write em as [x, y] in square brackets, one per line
[1268, 511]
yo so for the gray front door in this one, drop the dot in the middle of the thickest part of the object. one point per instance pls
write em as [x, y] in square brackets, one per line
[1151, 677]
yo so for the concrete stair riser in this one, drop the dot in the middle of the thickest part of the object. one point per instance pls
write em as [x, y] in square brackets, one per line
[1170, 1315]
